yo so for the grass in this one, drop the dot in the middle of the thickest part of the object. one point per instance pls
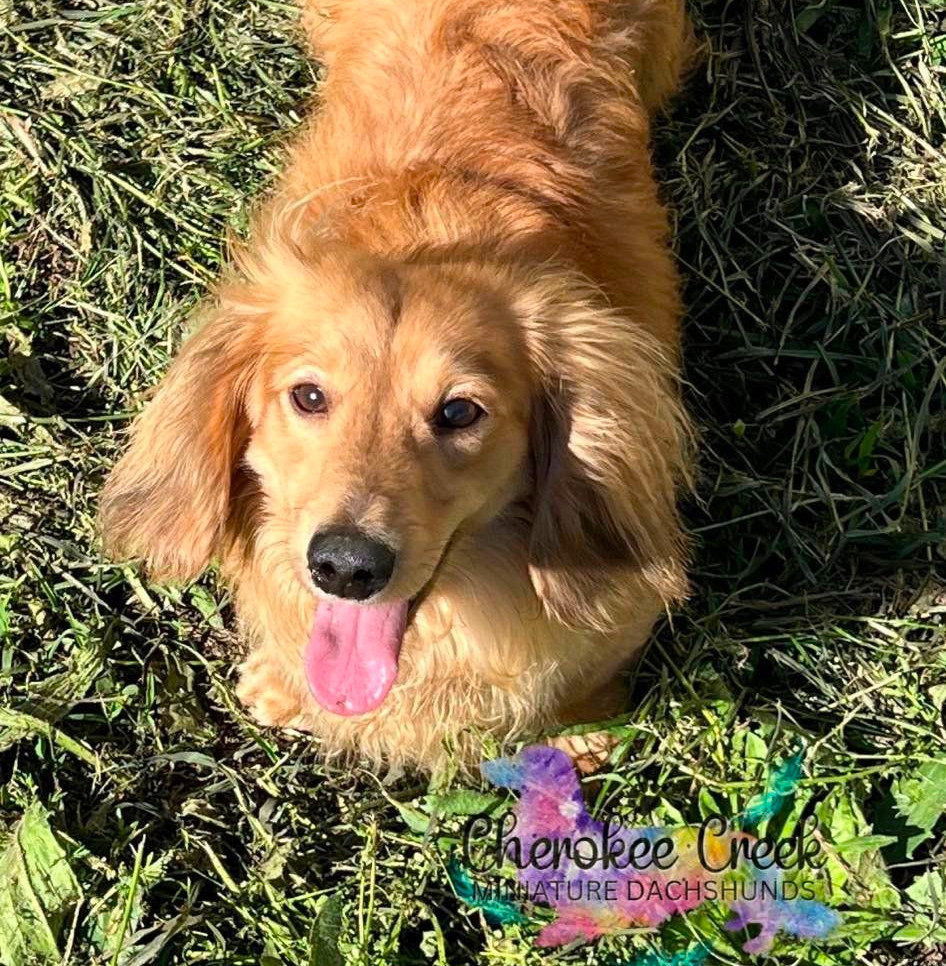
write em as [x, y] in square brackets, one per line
[806, 169]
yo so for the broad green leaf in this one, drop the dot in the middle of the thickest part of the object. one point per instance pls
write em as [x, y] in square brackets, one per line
[858, 928]
[748, 746]
[207, 605]
[747, 754]
[4, 614]
[928, 891]
[864, 843]
[54, 697]
[462, 802]
[855, 874]
[937, 695]
[927, 894]
[708, 804]
[326, 931]
[921, 800]
[672, 815]
[810, 15]
[920, 931]
[17, 725]
[50, 700]
[37, 891]
[413, 817]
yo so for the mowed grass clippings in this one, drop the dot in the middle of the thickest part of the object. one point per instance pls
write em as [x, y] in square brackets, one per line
[806, 171]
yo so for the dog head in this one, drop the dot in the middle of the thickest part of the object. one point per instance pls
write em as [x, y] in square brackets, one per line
[385, 408]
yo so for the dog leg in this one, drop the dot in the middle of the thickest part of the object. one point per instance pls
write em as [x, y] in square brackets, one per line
[265, 692]
[591, 751]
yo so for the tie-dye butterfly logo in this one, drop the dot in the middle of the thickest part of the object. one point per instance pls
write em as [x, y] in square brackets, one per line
[600, 876]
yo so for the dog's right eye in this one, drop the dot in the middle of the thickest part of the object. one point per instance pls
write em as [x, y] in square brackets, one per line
[458, 414]
[308, 399]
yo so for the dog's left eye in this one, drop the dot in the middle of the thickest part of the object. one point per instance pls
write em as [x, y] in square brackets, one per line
[308, 398]
[458, 414]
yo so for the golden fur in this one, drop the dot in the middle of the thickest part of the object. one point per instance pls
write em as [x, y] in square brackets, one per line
[473, 206]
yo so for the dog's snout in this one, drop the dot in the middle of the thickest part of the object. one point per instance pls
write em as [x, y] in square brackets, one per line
[346, 563]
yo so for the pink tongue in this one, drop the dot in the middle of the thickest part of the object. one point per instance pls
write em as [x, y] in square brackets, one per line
[351, 657]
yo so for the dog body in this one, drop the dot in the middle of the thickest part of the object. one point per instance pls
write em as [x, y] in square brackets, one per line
[450, 344]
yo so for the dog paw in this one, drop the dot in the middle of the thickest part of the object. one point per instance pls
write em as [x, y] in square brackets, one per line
[589, 752]
[268, 697]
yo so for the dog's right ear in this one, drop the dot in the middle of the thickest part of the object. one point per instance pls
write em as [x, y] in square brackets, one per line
[167, 500]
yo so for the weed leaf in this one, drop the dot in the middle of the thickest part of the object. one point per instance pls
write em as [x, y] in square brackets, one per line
[462, 802]
[325, 935]
[920, 800]
[37, 890]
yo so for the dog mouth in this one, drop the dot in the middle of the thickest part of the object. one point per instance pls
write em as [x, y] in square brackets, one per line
[351, 658]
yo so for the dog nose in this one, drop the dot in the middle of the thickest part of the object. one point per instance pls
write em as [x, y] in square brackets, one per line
[346, 563]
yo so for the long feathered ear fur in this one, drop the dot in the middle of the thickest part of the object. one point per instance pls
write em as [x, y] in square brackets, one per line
[610, 449]
[167, 500]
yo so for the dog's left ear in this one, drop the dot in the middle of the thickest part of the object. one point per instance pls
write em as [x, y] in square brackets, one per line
[168, 498]
[610, 450]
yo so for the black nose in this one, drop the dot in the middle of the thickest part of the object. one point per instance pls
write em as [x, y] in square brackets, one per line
[346, 563]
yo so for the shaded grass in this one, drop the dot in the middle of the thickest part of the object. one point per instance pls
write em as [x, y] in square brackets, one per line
[805, 167]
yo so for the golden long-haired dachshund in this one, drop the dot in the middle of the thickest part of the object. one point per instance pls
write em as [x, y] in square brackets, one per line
[431, 427]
